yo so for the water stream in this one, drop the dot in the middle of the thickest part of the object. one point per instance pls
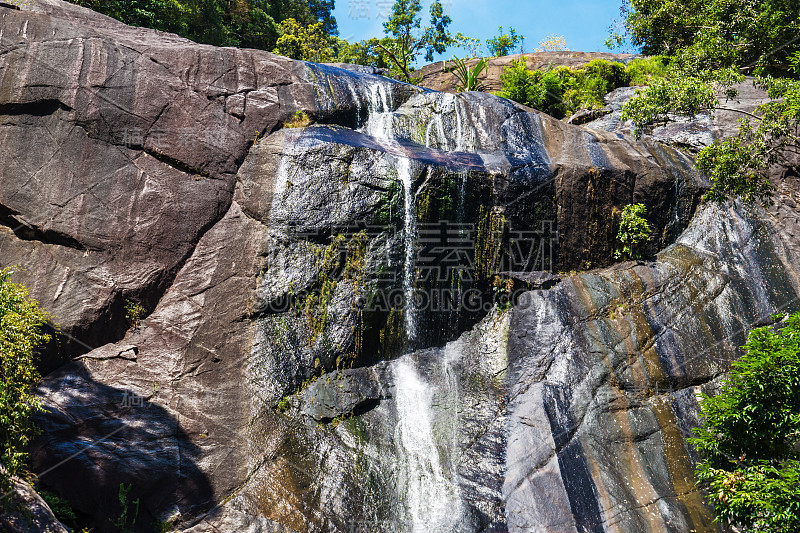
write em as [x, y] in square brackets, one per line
[432, 496]
[427, 488]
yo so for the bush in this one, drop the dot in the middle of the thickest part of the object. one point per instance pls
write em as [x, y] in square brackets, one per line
[562, 91]
[60, 507]
[642, 71]
[748, 441]
[634, 231]
[468, 77]
[21, 333]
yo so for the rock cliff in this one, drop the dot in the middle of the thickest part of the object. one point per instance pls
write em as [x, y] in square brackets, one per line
[348, 321]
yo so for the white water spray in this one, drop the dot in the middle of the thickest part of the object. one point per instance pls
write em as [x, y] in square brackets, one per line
[405, 175]
[432, 500]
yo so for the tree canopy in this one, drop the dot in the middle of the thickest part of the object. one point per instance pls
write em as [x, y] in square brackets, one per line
[750, 436]
[753, 35]
[21, 333]
[711, 46]
[245, 23]
[406, 40]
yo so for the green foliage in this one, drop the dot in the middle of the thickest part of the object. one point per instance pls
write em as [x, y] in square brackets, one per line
[517, 82]
[300, 119]
[562, 91]
[748, 441]
[245, 23]
[707, 62]
[359, 53]
[502, 289]
[21, 333]
[470, 44]
[739, 166]
[646, 70]
[60, 507]
[758, 35]
[134, 312]
[283, 404]
[680, 92]
[121, 523]
[504, 43]
[468, 76]
[304, 42]
[340, 261]
[634, 232]
[405, 39]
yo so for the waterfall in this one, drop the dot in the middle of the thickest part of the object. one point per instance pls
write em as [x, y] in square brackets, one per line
[426, 434]
[433, 499]
[379, 104]
[459, 133]
[405, 175]
[380, 125]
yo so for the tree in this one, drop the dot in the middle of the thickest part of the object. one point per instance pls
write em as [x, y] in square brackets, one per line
[21, 333]
[405, 40]
[470, 44]
[247, 23]
[749, 439]
[713, 44]
[504, 43]
[359, 53]
[757, 35]
[307, 43]
[553, 43]
[634, 232]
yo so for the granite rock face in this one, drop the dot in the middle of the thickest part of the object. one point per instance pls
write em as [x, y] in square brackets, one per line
[690, 134]
[24, 511]
[277, 380]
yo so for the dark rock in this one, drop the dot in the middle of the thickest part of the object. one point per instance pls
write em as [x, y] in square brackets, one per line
[535, 280]
[23, 511]
[263, 255]
[345, 393]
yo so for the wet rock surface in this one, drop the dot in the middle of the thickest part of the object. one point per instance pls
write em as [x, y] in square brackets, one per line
[277, 381]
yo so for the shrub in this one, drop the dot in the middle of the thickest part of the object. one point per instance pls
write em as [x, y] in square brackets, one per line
[21, 333]
[129, 510]
[300, 119]
[60, 507]
[562, 91]
[553, 43]
[517, 82]
[748, 440]
[134, 312]
[634, 231]
[468, 76]
[643, 70]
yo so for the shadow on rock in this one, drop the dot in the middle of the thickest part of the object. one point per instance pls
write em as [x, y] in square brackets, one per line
[120, 458]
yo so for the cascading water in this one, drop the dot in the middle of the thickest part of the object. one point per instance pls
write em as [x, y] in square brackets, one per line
[429, 490]
[432, 498]
[404, 172]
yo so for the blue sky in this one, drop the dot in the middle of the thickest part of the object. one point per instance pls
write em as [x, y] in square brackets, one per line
[584, 23]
